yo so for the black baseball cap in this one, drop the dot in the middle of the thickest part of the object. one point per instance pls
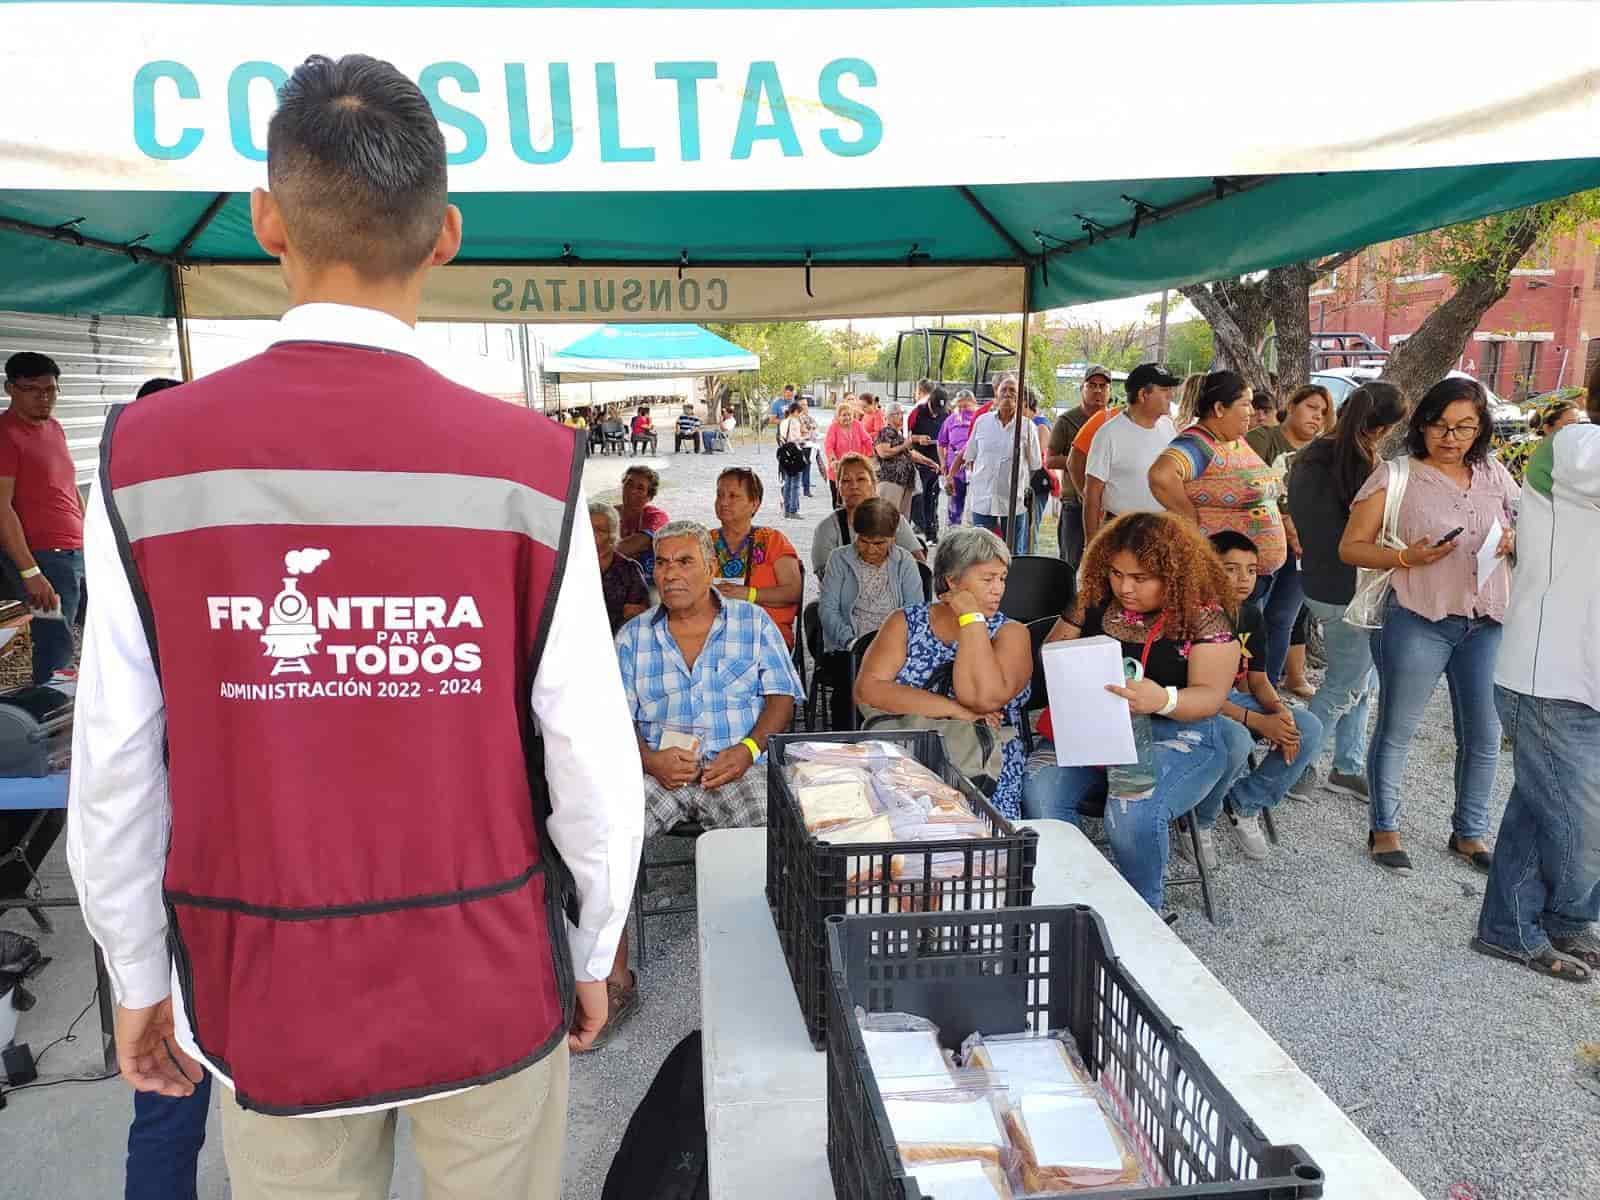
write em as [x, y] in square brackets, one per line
[1148, 374]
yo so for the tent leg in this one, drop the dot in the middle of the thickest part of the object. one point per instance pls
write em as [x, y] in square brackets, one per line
[185, 358]
[1010, 534]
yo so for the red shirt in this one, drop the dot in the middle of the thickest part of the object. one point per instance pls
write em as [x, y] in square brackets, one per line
[46, 496]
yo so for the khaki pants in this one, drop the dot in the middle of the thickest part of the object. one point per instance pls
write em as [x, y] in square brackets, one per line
[501, 1141]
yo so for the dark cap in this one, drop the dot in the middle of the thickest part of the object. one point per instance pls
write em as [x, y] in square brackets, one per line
[1147, 374]
[1097, 369]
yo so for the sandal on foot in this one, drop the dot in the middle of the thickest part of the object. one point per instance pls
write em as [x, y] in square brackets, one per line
[1546, 961]
[1471, 850]
[1585, 947]
[1385, 850]
[621, 1002]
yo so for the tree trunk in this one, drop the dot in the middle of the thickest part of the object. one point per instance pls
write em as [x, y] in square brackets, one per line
[1430, 353]
[1237, 313]
[1288, 292]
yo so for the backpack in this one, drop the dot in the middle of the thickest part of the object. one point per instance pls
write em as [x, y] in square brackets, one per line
[792, 458]
[663, 1152]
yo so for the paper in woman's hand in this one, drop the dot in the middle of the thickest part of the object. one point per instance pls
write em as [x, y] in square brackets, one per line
[1093, 727]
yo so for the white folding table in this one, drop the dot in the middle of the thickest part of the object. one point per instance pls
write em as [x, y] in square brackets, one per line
[766, 1107]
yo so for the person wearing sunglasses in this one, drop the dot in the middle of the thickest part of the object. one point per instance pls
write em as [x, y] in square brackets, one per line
[1443, 617]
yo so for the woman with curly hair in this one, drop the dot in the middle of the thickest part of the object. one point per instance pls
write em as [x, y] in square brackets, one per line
[1153, 582]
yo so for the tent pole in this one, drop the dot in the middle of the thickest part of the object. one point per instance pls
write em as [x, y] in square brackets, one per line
[1022, 383]
[181, 308]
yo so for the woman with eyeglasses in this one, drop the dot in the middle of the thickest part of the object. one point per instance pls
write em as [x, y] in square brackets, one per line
[1439, 619]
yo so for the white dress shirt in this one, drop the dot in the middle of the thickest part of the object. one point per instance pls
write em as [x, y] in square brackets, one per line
[990, 450]
[118, 809]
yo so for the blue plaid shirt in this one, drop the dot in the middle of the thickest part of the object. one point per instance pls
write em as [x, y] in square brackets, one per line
[744, 661]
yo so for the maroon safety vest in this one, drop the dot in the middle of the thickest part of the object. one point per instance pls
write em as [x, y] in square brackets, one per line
[346, 568]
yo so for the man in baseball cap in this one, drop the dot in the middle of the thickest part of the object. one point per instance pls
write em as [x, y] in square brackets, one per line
[1096, 394]
[1117, 472]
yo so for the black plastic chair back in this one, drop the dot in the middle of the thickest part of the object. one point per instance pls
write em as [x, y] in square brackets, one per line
[924, 570]
[1037, 586]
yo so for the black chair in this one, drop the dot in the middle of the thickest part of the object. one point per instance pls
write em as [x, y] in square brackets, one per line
[684, 830]
[638, 441]
[858, 651]
[1037, 586]
[924, 570]
[597, 438]
[1039, 697]
[679, 437]
[797, 654]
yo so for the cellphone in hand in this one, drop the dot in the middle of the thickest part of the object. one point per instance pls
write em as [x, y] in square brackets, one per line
[1449, 537]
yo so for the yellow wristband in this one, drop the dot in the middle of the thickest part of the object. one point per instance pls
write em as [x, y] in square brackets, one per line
[752, 596]
[30, 573]
[750, 743]
[966, 619]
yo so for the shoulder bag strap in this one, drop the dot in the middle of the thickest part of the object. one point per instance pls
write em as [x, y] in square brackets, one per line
[1394, 496]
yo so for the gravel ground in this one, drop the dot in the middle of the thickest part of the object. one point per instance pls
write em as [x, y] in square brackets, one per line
[1462, 1070]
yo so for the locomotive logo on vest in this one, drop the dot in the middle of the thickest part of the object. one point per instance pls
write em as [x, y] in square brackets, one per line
[393, 647]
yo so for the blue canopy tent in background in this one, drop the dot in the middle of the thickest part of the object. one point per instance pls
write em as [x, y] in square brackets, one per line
[617, 352]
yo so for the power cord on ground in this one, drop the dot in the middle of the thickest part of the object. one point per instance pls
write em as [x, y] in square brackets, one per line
[68, 1036]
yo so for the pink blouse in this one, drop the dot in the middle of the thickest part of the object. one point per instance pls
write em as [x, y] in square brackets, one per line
[841, 441]
[1432, 507]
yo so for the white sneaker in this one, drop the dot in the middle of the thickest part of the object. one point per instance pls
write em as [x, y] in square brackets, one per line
[1208, 848]
[1251, 838]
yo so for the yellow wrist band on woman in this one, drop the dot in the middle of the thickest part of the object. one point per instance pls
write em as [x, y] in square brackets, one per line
[30, 573]
[966, 619]
[752, 596]
[750, 745]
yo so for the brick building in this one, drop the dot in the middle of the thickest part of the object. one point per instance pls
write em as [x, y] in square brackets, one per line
[1544, 334]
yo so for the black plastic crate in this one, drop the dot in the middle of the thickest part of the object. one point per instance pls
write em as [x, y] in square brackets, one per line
[809, 881]
[1036, 969]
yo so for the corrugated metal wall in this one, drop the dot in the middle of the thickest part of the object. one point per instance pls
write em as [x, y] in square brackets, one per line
[103, 361]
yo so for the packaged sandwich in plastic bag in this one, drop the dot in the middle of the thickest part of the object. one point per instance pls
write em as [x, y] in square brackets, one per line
[939, 800]
[871, 754]
[948, 864]
[1067, 1144]
[904, 1046]
[1029, 1063]
[963, 1179]
[1068, 1133]
[830, 795]
[959, 1116]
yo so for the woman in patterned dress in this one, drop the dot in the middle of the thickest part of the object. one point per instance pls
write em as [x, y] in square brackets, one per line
[989, 656]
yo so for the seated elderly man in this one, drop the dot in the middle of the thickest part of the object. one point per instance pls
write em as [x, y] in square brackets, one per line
[709, 679]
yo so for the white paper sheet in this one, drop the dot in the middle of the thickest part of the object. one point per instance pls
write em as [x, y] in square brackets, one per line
[943, 1122]
[1069, 1131]
[1032, 1065]
[1488, 561]
[911, 1053]
[1093, 727]
[964, 1180]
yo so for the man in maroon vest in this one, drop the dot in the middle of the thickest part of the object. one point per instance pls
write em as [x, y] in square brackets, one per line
[351, 742]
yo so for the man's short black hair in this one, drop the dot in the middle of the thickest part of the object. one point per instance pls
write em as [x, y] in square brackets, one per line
[29, 364]
[789, 387]
[159, 384]
[356, 163]
[1226, 541]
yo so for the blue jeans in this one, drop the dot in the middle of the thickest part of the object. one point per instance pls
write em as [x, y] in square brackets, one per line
[958, 501]
[791, 493]
[1270, 782]
[164, 1143]
[1279, 609]
[1411, 653]
[805, 476]
[996, 526]
[1195, 763]
[1344, 700]
[1545, 881]
[52, 640]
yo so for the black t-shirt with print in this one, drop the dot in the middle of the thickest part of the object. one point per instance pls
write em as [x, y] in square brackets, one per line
[1252, 642]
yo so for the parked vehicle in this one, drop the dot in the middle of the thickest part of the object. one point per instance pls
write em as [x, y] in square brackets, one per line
[1509, 420]
[983, 351]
